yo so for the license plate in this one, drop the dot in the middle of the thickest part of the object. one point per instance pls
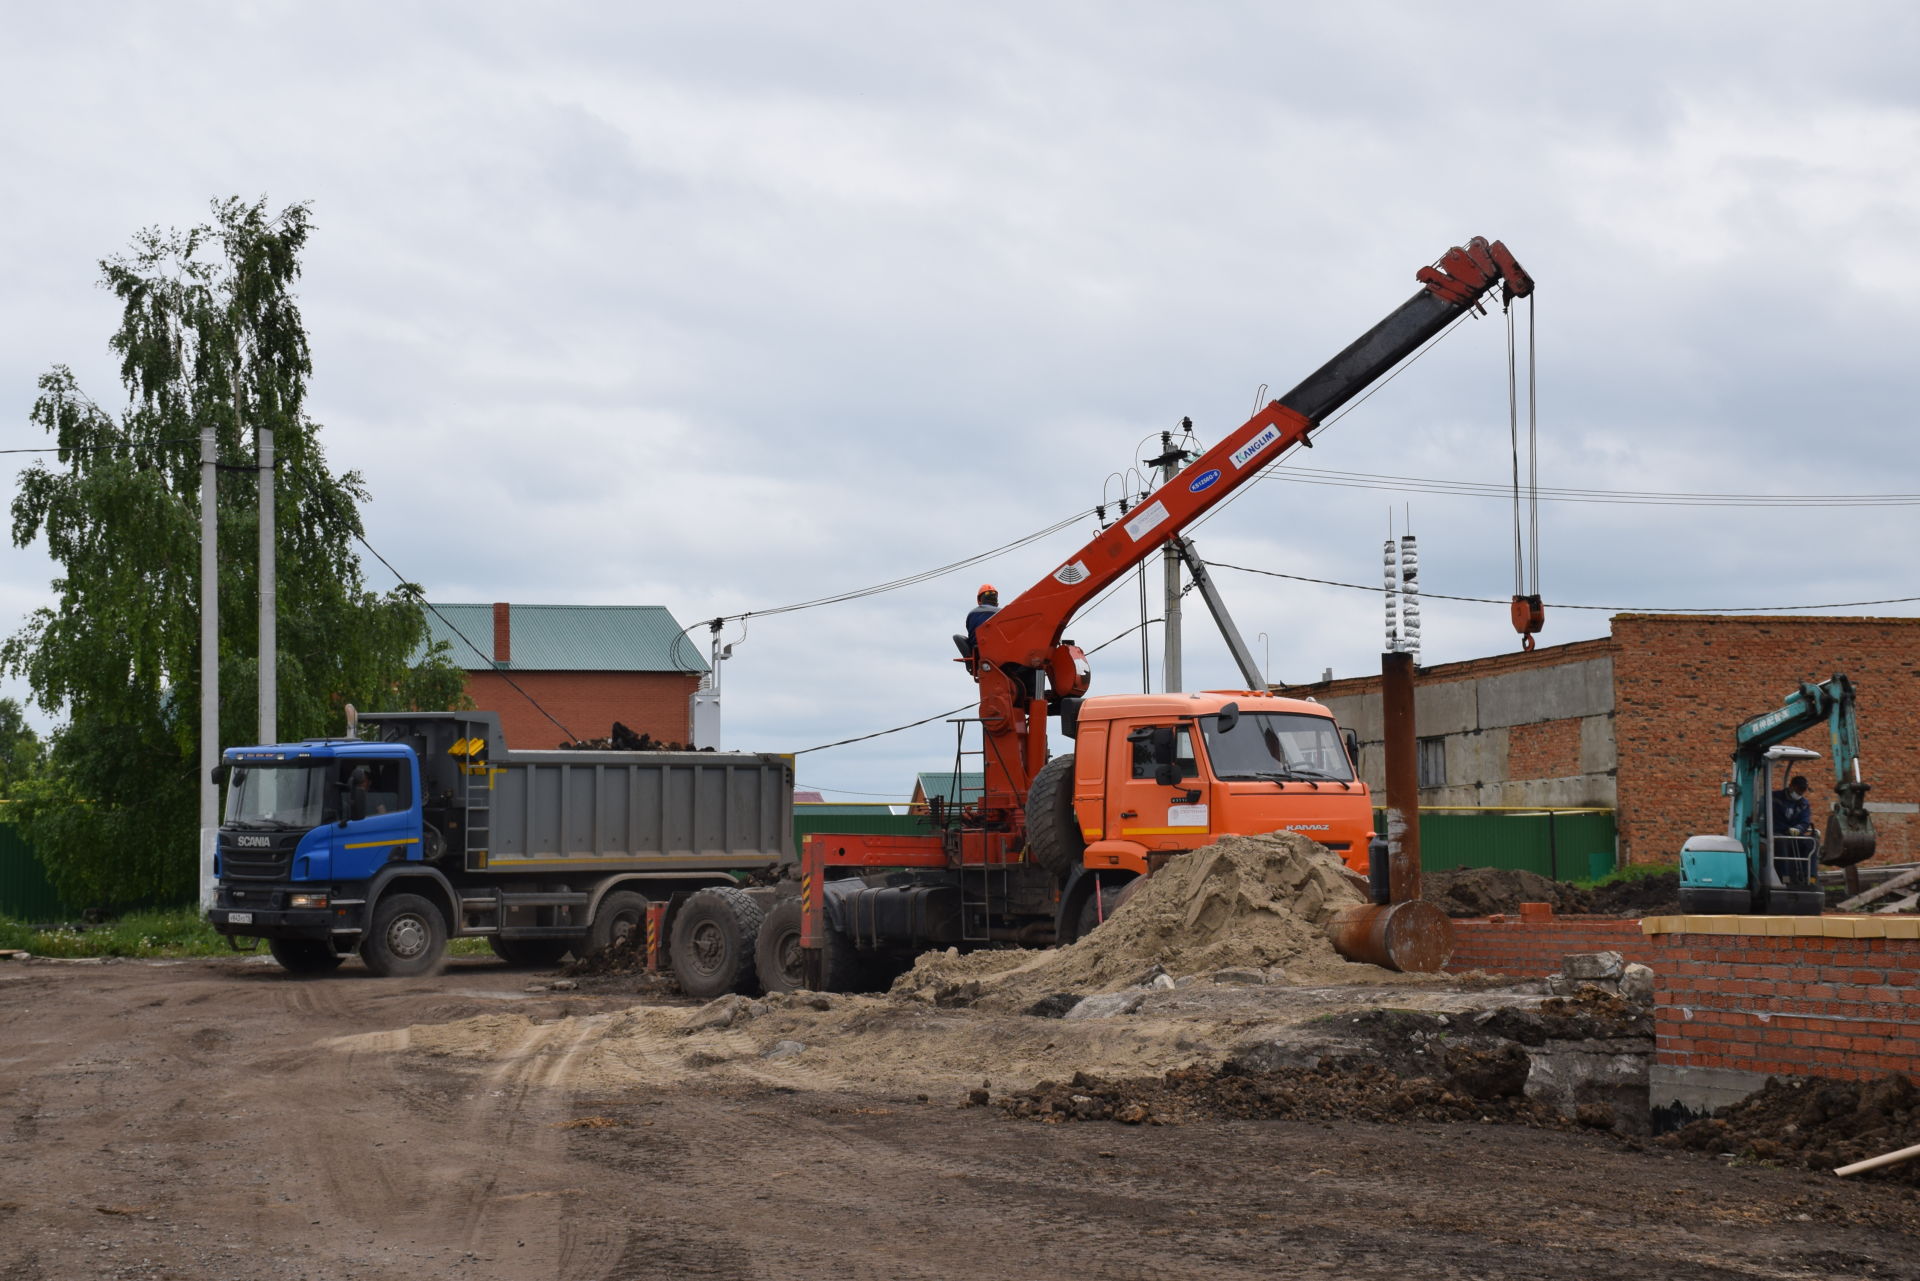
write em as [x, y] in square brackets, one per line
[239, 918]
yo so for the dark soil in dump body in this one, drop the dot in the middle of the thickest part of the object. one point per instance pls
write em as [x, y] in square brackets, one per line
[1491, 891]
[1816, 1124]
[1404, 1066]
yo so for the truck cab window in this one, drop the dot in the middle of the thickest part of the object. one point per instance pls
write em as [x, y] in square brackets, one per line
[375, 787]
[1182, 757]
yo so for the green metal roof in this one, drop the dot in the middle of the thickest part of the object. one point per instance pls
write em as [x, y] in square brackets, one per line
[939, 782]
[568, 638]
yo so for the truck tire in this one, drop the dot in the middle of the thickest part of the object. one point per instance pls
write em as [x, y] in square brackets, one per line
[622, 915]
[529, 952]
[1053, 832]
[781, 966]
[305, 956]
[777, 959]
[408, 937]
[1112, 895]
[713, 941]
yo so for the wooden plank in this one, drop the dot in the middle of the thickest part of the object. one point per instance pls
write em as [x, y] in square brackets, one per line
[1884, 887]
[1903, 905]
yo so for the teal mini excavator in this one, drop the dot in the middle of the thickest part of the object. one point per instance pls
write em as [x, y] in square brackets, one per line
[1756, 868]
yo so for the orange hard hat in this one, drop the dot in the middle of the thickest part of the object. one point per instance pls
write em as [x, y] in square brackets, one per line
[987, 589]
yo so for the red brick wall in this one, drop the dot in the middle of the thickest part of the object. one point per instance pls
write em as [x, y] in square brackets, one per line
[1534, 949]
[1787, 1006]
[1682, 684]
[588, 703]
[1778, 1005]
[1545, 749]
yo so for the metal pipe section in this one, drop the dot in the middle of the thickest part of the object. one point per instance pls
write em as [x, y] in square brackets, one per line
[1414, 937]
[1402, 775]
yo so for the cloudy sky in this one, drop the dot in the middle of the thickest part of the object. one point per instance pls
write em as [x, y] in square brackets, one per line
[723, 307]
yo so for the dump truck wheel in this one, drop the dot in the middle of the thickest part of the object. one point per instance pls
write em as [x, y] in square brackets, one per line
[622, 916]
[408, 937]
[529, 952]
[713, 937]
[1111, 897]
[305, 956]
[1053, 833]
[844, 968]
[777, 958]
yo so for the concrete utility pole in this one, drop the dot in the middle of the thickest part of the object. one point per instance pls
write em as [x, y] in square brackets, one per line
[1170, 461]
[209, 663]
[269, 595]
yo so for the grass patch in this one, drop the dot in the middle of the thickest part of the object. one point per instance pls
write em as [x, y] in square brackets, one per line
[1631, 872]
[172, 932]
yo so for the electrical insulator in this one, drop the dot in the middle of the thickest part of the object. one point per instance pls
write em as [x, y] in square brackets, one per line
[1410, 593]
[1391, 572]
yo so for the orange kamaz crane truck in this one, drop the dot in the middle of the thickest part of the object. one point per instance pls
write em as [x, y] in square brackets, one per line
[1050, 846]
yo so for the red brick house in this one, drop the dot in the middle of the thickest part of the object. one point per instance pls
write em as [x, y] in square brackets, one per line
[1642, 721]
[587, 665]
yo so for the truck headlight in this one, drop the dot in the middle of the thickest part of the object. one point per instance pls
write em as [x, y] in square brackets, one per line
[307, 900]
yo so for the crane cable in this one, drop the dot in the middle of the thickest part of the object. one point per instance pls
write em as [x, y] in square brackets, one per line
[1528, 612]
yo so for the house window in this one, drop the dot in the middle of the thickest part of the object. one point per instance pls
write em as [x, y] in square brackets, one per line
[1432, 762]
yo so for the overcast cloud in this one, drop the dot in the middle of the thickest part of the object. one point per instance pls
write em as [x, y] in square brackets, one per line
[721, 307]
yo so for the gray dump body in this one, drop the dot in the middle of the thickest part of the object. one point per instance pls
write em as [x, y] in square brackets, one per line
[584, 810]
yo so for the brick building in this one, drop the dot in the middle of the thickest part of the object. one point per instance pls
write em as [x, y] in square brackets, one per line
[1642, 721]
[587, 665]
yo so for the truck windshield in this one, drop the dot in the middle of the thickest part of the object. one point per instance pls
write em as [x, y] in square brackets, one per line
[1278, 745]
[275, 795]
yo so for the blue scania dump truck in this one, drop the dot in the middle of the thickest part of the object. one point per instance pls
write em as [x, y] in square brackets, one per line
[418, 827]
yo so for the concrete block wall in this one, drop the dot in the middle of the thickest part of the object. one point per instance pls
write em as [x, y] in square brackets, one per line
[1683, 683]
[1520, 729]
[588, 703]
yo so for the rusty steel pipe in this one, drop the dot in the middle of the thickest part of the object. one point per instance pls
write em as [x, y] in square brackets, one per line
[1413, 938]
[1402, 776]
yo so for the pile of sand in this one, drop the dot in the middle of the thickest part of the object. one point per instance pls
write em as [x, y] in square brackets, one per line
[1260, 902]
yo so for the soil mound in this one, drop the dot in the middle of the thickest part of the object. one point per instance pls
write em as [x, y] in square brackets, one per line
[1816, 1123]
[1642, 896]
[1246, 901]
[1485, 891]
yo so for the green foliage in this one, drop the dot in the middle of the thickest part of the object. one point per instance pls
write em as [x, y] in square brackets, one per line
[210, 336]
[20, 747]
[179, 932]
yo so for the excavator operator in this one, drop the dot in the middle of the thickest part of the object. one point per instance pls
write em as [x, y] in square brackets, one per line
[986, 605]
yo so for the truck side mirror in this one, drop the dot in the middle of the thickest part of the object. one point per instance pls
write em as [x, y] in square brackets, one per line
[1353, 749]
[219, 773]
[1228, 717]
[1166, 775]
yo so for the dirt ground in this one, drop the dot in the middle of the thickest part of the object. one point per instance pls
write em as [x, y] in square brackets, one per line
[217, 1119]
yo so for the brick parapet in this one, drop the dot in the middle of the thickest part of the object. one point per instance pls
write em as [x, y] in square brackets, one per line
[1769, 1004]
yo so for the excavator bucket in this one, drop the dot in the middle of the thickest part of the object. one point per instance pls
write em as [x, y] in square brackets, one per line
[1849, 838]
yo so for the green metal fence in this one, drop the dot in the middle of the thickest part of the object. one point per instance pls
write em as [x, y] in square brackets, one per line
[25, 892]
[1567, 845]
[858, 820]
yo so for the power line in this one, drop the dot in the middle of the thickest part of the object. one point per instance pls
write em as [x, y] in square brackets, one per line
[326, 501]
[956, 711]
[1651, 498]
[1612, 609]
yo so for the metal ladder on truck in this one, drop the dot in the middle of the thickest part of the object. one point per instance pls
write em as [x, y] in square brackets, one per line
[976, 879]
[477, 781]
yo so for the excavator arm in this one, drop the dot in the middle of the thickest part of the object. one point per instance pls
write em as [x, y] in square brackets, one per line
[1849, 836]
[1021, 660]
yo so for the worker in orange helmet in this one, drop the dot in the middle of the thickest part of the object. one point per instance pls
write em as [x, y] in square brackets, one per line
[986, 605]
